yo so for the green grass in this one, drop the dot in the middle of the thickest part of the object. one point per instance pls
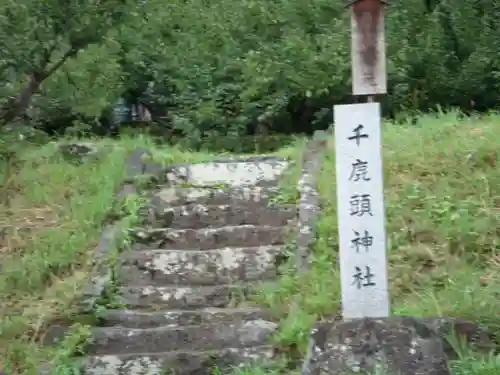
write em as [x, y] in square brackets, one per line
[288, 192]
[442, 192]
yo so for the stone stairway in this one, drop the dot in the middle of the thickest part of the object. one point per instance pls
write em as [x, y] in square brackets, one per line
[211, 235]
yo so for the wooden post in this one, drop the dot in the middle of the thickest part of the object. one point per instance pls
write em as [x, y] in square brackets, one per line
[360, 193]
[368, 47]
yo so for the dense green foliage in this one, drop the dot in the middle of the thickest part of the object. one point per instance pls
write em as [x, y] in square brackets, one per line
[249, 66]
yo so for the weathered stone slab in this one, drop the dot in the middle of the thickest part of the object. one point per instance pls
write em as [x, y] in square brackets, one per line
[79, 151]
[182, 362]
[396, 345]
[171, 297]
[118, 340]
[197, 216]
[205, 267]
[173, 318]
[229, 172]
[208, 238]
[176, 196]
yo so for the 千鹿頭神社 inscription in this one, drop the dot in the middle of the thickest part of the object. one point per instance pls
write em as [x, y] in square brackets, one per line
[360, 206]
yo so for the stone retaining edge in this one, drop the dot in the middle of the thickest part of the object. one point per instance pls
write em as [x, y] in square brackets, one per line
[102, 275]
[309, 206]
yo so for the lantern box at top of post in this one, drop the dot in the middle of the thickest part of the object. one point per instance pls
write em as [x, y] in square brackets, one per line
[369, 76]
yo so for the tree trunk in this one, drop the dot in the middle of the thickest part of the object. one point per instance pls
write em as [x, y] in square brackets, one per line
[16, 106]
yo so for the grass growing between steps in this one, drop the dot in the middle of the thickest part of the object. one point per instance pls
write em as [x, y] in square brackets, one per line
[288, 192]
[442, 193]
[51, 215]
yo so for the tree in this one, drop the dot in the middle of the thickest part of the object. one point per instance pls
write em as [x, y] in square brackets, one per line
[38, 37]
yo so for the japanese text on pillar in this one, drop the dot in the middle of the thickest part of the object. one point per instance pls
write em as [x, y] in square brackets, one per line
[360, 210]
[360, 205]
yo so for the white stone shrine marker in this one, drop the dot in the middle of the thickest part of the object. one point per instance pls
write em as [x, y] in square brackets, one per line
[360, 210]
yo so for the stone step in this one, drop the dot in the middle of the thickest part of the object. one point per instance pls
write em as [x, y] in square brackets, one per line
[199, 267]
[157, 298]
[177, 196]
[178, 363]
[145, 319]
[249, 171]
[119, 340]
[208, 238]
[197, 216]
